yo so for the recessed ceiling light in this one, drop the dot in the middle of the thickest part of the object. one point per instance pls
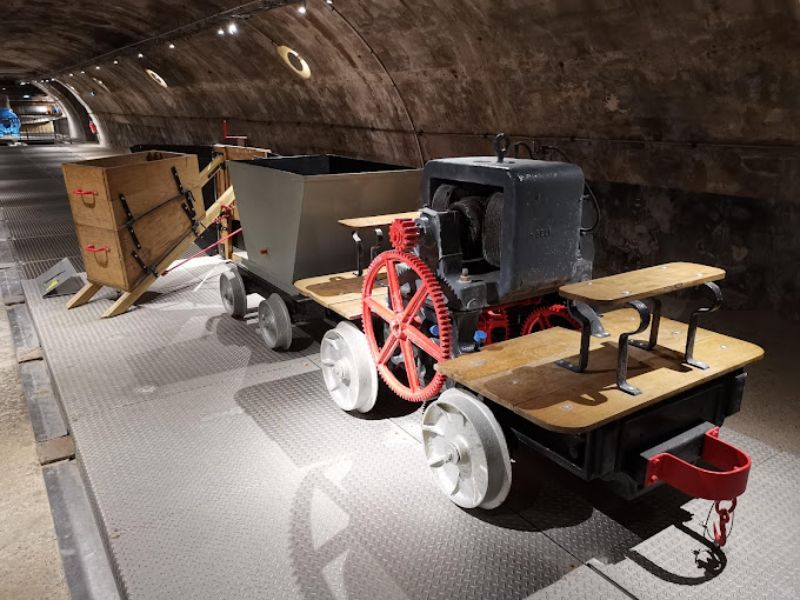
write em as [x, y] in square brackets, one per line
[232, 28]
[295, 62]
[156, 77]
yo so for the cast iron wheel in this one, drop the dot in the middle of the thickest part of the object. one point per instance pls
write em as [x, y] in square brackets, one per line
[274, 323]
[466, 450]
[233, 293]
[347, 368]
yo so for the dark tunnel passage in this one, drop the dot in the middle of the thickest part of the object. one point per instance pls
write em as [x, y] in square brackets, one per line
[683, 114]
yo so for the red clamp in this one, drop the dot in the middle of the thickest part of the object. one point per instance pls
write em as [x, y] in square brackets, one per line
[95, 249]
[724, 484]
[727, 483]
[80, 192]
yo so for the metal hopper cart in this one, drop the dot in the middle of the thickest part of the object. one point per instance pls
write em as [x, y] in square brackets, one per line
[289, 207]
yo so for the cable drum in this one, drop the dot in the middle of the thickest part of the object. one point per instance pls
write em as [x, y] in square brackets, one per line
[492, 229]
[444, 196]
[472, 209]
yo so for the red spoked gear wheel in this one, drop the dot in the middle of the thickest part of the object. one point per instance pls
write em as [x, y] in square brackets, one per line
[403, 234]
[404, 323]
[546, 317]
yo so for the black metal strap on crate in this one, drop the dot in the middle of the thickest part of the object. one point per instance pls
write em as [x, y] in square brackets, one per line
[130, 220]
[145, 267]
[188, 206]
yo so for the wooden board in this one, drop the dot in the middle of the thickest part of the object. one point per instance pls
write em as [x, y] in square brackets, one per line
[377, 220]
[157, 231]
[522, 374]
[340, 292]
[643, 283]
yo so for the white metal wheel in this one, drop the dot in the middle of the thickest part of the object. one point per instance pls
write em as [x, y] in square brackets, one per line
[233, 293]
[466, 450]
[348, 369]
[275, 323]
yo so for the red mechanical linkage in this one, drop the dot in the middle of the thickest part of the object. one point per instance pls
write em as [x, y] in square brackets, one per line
[546, 317]
[80, 192]
[95, 249]
[727, 483]
[404, 323]
[403, 234]
[494, 319]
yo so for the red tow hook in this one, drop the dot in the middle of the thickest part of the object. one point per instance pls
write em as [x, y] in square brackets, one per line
[726, 483]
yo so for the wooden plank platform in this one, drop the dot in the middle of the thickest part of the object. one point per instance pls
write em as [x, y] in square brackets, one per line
[642, 283]
[522, 374]
[377, 220]
[340, 292]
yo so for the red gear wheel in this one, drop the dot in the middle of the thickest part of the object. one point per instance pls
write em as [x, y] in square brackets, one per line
[404, 322]
[542, 318]
[403, 234]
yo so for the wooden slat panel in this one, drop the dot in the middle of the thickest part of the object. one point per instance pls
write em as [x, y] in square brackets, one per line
[340, 292]
[643, 283]
[521, 374]
[377, 220]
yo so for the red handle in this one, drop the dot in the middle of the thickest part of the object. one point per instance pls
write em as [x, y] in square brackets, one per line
[80, 192]
[94, 249]
[727, 483]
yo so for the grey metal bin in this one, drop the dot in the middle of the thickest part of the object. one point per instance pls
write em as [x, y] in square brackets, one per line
[289, 208]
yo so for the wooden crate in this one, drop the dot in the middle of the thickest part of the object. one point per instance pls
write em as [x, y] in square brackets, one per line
[146, 181]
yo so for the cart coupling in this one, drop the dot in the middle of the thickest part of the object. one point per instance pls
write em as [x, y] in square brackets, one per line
[726, 482]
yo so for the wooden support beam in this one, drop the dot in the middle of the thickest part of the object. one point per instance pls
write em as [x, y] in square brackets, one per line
[84, 295]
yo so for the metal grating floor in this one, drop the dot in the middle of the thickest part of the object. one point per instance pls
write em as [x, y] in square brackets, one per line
[221, 469]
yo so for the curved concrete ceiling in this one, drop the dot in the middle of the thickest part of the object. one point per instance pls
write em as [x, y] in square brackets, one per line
[686, 94]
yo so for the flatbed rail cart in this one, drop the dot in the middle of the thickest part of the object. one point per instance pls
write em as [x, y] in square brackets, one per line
[501, 241]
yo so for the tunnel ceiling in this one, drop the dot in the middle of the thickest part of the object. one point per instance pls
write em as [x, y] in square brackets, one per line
[697, 95]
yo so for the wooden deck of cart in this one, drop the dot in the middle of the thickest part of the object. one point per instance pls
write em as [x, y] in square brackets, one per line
[522, 375]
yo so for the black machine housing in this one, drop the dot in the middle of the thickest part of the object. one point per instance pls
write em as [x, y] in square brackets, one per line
[501, 231]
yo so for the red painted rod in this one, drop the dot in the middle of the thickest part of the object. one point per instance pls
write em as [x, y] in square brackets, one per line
[95, 249]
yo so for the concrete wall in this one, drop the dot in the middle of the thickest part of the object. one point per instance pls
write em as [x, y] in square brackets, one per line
[689, 106]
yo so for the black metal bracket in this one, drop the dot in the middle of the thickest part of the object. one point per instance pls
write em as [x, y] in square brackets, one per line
[694, 321]
[586, 335]
[359, 252]
[130, 220]
[622, 353]
[655, 321]
[146, 268]
[376, 248]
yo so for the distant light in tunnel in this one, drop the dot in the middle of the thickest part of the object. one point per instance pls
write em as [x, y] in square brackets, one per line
[116, 62]
[233, 28]
[156, 77]
[171, 46]
[72, 74]
[83, 72]
[295, 62]
[302, 9]
[140, 55]
[220, 31]
[97, 68]
[26, 96]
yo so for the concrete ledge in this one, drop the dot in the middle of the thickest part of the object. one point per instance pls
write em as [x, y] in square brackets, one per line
[86, 563]
[56, 449]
